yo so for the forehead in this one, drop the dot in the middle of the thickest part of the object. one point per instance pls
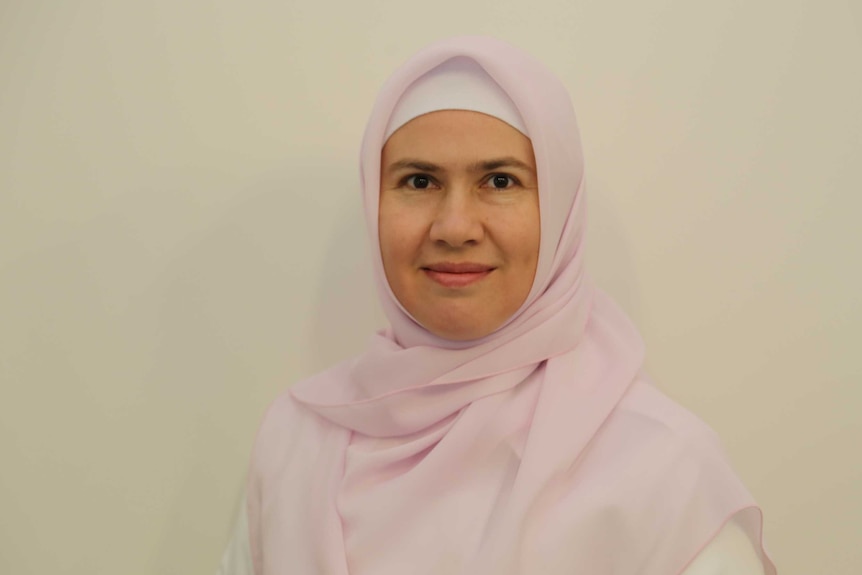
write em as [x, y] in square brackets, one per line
[453, 136]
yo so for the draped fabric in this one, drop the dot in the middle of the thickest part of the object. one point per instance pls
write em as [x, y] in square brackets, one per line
[540, 448]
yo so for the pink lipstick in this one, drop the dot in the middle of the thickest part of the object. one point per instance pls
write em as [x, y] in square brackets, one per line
[457, 275]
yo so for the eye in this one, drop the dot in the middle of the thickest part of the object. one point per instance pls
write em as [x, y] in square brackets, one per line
[418, 182]
[501, 181]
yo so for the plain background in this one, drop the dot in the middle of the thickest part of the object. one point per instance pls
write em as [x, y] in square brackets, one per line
[180, 239]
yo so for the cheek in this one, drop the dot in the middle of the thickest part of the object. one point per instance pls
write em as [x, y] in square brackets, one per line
[522, 245]
[387, 237]
[524, 234]
[397, 238]
[525, 252]
[535, 229]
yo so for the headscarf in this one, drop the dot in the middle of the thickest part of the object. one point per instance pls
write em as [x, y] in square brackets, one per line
[539, 448]
[457, 84]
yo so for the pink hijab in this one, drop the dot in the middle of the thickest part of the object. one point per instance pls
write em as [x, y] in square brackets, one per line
[539, 449]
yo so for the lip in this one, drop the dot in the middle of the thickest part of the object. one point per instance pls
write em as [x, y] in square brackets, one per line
[457, 274]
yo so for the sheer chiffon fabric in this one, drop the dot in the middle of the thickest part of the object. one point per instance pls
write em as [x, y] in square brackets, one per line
[541, 448]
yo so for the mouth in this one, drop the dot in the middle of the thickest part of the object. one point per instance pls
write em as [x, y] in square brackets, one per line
[457, 275]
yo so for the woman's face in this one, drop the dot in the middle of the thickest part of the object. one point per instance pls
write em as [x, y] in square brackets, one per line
[459, 221]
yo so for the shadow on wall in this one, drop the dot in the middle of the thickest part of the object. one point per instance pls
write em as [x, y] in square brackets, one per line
[610, 260]
[347, 309]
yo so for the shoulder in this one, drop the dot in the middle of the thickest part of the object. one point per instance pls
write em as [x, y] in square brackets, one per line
[686, 483]
[648, 409]
[663, 438]
[287, 425]
[660, 435]
[285, 412]
[650, 435]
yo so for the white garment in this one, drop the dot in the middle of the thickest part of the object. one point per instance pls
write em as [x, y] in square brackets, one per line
[730, 553]
[237, 556]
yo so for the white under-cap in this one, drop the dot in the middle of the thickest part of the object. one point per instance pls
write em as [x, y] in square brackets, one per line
[457, 84]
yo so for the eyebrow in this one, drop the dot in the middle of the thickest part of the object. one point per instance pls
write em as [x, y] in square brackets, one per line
[482, 166]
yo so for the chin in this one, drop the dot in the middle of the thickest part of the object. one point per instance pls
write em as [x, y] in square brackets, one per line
[458, 331]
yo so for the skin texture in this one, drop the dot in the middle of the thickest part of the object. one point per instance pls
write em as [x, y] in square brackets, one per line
[445, 199]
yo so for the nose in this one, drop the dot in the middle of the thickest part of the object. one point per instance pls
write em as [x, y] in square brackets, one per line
[457, 222]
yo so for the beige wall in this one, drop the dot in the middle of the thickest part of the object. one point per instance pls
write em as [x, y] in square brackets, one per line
[180, 239]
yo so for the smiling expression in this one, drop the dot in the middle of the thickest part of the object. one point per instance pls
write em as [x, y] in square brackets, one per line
[459, 221]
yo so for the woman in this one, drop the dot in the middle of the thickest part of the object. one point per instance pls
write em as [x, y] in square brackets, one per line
[503, 423]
